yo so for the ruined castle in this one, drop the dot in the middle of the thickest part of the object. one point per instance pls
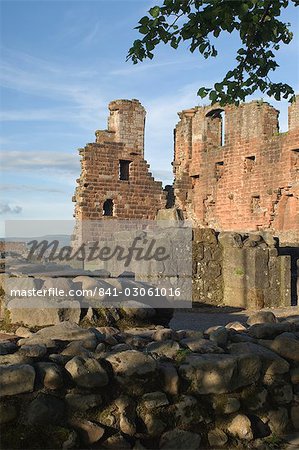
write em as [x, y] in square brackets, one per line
[233, 170]
[115, 180]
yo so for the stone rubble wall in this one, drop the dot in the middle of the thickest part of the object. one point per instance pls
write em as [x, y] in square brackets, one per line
[237, 172]
[151, 388]
[241, 270]
[84, 297]
[249, 271]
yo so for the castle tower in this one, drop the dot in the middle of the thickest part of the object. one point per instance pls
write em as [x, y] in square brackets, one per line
[115, 180]
[127, 121]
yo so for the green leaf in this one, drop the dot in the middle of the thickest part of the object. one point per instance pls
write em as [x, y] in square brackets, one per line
[218, 87]
[144, 20]
[203, 92]
[149, 45]
[200, 23]
[143, 29]
[154, 12]
[174, 43]
[213, 96]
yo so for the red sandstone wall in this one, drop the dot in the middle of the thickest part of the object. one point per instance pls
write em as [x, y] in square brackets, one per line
[245, 177]
[140, 196]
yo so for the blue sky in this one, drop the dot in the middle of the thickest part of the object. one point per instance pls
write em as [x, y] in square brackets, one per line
[61, 63]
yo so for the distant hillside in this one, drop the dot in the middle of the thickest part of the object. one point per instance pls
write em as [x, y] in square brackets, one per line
[62, 238]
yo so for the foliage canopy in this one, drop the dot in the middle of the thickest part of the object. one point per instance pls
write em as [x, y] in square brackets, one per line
[201, 23]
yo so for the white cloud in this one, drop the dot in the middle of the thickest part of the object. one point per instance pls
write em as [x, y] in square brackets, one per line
[161, 120]
[29, 188]
[92, 34]
[5, 208]
[58, 114]
[45, 79]
[133, 69]
[42, 161]
[166, 176]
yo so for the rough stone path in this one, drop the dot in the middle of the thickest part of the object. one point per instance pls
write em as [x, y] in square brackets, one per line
[201, 318]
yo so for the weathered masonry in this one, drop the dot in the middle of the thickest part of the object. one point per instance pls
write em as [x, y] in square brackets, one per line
[241, 270]
[115, 180]
[234, 170]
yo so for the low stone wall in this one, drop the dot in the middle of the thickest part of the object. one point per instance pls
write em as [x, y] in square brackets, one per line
[151, 388]
[241, 270]
[228, 268]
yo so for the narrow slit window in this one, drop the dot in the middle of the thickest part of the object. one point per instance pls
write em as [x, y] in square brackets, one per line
[124, 169]
[219, 168]
[108, 207]
[255, 203]
[222, 138]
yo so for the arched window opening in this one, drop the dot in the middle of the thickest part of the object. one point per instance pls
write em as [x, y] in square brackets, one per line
[108, 206]
[216, 127]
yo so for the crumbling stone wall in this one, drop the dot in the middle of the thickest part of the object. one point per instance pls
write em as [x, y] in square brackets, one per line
[207, 257]
[115, 180]
[234, 170]
[153, 388]
[255, 275]
[240, 270]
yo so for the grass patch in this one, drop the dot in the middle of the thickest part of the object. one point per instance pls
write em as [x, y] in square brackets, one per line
[182, 354]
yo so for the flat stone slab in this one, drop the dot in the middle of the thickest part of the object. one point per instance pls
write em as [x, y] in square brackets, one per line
[7, 337]
[218, 374]
[166, 348]
[43, 311]
[65, 331]
[87, 372]
[286, 347]
[132, 363]
[209, 374]
[16, 379]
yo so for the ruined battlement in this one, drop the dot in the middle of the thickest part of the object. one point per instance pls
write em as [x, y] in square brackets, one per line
[126, 124]
[233, 169]
[115, 180]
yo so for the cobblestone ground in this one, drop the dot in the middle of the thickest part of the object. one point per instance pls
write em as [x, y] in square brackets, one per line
[201, 318]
